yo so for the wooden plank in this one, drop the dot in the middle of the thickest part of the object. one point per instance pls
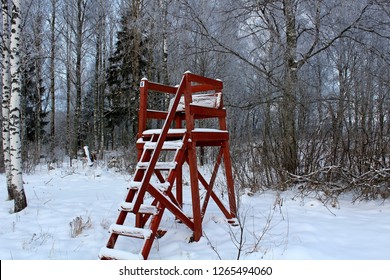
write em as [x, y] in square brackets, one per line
[209, 135]
[162, 88]
[114, 254]
[131, 231]
[173, 208]
[157, 165]
[154, 114]
[173, 132]
[202, 88]
[144, 209]
[204, 80]
[205, 112]
[168, 145]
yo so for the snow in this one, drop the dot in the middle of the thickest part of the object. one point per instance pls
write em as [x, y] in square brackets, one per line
[170, 131]
[283, 226]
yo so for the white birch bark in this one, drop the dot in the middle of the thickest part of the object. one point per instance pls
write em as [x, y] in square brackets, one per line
[20, 201]
[6, 79]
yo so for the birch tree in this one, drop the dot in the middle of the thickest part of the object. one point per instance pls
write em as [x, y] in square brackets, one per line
[6, 83]
[20, 201]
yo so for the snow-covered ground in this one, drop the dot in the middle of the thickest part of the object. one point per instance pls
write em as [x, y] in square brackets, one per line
[276, 227]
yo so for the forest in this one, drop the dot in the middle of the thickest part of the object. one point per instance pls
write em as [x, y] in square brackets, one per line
[306, 83]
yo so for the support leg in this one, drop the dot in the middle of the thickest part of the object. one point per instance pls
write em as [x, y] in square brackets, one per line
[195, 191]
[229, 178]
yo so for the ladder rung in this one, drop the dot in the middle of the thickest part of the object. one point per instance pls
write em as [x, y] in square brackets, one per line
[175, 131]
[168, 145]
[134, 185]
[144, 209]
[161, 186]
[131, 231]
[114, 254]
[159, 165]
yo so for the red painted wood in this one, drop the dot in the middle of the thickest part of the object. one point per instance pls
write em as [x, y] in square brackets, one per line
[143, 106]
[162, 88]
[191, 138]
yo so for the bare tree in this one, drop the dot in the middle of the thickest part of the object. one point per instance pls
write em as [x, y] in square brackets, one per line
[53, 41]
[38, 63]
[79, 33]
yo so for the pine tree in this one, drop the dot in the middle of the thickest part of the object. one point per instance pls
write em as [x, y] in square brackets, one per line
[127, 67]
[34, 117]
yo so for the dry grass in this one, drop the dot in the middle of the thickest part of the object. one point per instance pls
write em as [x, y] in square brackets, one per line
[78, 225]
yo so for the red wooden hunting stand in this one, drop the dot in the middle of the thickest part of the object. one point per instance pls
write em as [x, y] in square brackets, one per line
[195, 98]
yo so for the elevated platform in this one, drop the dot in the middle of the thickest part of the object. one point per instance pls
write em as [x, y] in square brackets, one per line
[162, 152]
[201, 136]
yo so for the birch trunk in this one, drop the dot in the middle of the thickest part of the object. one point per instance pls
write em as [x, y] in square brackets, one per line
[20, 201]
[6, 79]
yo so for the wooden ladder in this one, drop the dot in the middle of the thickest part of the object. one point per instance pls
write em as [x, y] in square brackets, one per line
[150, 164]
[134, 202]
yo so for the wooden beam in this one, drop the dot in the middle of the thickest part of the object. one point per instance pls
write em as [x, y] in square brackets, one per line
[212, 181]
[174, 209]
[154, 114]
[204, 80]
[162, 88]
[205, 112]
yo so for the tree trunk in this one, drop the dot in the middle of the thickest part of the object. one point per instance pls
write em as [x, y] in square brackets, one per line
[6, 80]
[20, 201]
[39, 85]
[288, 107]
[96, 106]
[136, 53]
[102, 98]
[164, 12]
[68, 42]
[52, 75]
[99, 74]
[78, 85]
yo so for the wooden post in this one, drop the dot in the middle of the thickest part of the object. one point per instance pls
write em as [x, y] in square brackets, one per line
[229, 178]
[143, 106]
[192, 161]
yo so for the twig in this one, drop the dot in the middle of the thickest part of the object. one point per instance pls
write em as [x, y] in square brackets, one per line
[211, 245]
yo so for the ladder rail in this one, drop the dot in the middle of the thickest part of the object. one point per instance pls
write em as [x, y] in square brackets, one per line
[159, 145]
